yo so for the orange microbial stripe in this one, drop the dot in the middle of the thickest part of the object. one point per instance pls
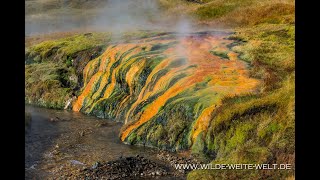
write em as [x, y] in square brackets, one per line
[78, 104]
[153, 108]
[162, 83]
[233, 56]
[162, 65]
[202, 122]
[135, 69]
[112, 84]
[88, 70]
[106, 75]
[110, 88]
[109, 56]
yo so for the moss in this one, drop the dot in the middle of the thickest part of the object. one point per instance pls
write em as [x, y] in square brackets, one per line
[199, 145]
[222, 54]
[238, 136]
[69, 62]
[64, 48]
[159, 132]
[48, 84]
[271, 128]
[156, 77]
[172, 124]
[132, 138]
[61, 49]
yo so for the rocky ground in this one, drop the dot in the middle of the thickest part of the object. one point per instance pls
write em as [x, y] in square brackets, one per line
[124, 167]
[135, 167]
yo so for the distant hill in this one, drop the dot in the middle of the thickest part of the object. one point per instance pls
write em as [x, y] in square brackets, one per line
[65, 15]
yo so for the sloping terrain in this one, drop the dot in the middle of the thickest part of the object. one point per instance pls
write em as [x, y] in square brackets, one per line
[159, 88]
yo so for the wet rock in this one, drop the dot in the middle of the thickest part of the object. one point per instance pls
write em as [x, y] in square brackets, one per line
[95, 165]
[75, 162]
[85, 131]
[56, 119]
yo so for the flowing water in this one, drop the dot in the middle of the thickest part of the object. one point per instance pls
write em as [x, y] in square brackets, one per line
[54, 149]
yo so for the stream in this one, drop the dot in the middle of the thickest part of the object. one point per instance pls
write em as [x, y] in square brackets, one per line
[60, 143]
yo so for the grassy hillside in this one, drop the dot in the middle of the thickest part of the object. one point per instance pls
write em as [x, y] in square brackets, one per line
[233, 12]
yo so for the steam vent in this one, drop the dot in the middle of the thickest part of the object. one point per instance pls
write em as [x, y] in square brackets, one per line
[165, 89]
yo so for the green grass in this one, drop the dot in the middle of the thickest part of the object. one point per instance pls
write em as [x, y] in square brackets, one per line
[65, 48]
[234, 13]
[270, 44]
[48, 84]
[213, 11]
[270, 50]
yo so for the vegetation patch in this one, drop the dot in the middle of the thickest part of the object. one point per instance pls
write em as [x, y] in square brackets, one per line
[213, 11]
[48, 84]
[222, 54]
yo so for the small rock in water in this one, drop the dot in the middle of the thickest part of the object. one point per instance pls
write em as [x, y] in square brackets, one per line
[75, 162]
[102, 124]
[55, 119]
[95, 165]
[32, 167]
